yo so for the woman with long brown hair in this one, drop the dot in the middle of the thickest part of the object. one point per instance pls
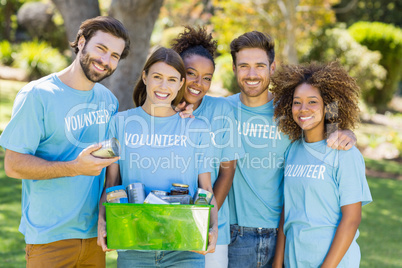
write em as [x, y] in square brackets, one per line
[160, 148]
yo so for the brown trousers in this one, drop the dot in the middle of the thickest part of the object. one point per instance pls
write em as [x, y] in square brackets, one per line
[65, 253]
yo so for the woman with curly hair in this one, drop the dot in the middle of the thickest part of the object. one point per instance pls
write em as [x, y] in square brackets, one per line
[197, 48]
[324, 189]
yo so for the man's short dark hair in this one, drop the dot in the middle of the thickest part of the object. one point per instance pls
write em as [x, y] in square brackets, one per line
[254, 39]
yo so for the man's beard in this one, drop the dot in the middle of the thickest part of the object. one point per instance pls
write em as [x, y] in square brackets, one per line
[93, 76]
[252, 92]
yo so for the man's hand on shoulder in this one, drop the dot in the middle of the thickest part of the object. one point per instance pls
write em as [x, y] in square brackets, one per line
[342, 140]
[185, 110]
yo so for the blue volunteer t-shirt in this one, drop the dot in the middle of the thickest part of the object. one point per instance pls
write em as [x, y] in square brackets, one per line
[55, 122]
[218, 114]
[159, 151]
[256, 197]
[318, 182]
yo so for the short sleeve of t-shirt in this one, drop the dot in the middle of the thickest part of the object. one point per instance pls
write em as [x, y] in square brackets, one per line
[287, 151]
[204, 148]
[351, 179]
[23, 133]
[112, 131]
[231, 141]
[116, 130]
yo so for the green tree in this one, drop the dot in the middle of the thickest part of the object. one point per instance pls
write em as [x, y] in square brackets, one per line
[8, 9]
[176, 14]
[387, 39]
[290, 22]
[336, 43]
[387, 11]
[192, 12]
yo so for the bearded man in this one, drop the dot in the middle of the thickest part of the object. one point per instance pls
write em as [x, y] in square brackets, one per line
[57, 121]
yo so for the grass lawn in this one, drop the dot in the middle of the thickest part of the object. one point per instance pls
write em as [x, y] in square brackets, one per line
[381, 226]
[8, 90]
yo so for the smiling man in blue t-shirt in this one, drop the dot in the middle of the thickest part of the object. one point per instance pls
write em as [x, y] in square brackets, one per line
[55, 122]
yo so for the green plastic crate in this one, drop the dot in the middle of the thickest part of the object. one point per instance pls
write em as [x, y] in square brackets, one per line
[157, 227]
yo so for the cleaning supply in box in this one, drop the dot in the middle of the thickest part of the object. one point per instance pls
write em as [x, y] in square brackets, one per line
[179, 189]
[183, 199]
[116, 194]
[202, 199]
[209, 195]
[154, 199]
[136, 193]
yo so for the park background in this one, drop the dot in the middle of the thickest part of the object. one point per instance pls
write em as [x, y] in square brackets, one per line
[364, 35]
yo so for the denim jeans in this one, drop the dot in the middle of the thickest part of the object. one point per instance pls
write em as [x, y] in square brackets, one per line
[218, 259]
[251, 247]
[160, 259]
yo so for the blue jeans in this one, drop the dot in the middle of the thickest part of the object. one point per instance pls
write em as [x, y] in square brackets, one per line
[251, 247]
[160, 259]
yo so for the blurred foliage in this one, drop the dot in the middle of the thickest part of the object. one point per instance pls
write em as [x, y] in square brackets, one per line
[384, 165]
[6, 51]
[52, 32]
[233, 18]
[224, 71]
[396, 138]
[387, 11]
[39, 59]
[104, 7]
[174, 15]
[58, 36]
[9, 25]
[168, 35]
[8, 11]
[393, 137]
[387, 39]
[337, 44]
[186, 12]
[229, 19]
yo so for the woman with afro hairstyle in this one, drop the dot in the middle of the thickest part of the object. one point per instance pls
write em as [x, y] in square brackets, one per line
[197, 48]
[324, 189]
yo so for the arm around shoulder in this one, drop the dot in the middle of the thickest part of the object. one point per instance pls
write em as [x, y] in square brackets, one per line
[342, 140]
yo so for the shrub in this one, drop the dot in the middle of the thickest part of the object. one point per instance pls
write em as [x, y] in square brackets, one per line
[387, 39]
[6, 51]
[224, 72]
[39, 59]
[337, 44]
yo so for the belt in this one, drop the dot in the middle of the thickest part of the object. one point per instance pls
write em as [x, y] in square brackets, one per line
[259, 230]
